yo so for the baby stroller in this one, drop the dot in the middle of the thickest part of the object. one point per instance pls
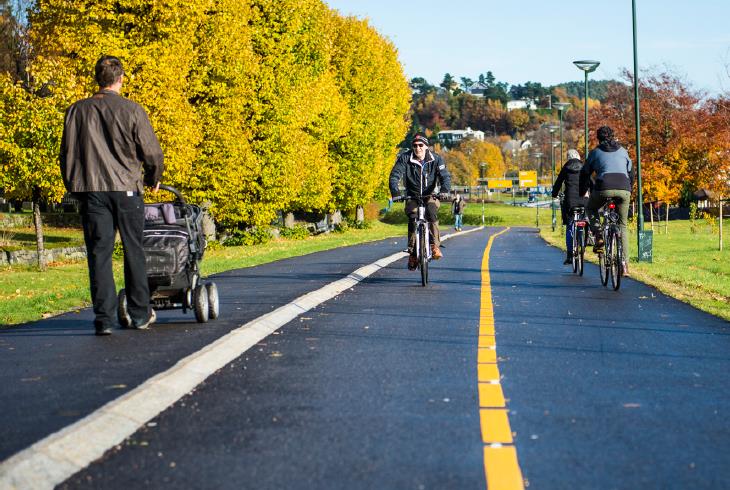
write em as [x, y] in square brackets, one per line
[173, 244]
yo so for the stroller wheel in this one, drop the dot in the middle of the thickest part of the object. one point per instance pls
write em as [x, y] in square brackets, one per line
[200, 303]
[213, 303]
[122, 313]
[187, 299]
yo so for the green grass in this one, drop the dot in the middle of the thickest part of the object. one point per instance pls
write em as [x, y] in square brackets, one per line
[24, 238]
[28, 295]
[686, 265]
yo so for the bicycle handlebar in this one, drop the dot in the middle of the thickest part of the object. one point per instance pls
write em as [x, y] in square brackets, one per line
[440, 197]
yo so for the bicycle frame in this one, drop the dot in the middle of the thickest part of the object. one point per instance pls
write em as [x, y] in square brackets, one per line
[422, 227]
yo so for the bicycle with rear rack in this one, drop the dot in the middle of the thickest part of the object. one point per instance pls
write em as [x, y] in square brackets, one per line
[611, 260]
[422, 247]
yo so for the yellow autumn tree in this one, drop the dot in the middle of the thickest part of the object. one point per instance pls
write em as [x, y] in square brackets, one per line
[371, 80]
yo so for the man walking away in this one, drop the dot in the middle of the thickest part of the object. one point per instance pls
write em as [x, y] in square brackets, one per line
[107, 143]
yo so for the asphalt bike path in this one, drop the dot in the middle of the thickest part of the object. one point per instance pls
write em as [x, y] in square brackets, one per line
[54, 372]
[375, 388]
[607, 389]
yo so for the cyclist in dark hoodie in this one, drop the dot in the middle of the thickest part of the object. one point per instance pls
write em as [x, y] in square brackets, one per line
[569, 176]
[614, 178]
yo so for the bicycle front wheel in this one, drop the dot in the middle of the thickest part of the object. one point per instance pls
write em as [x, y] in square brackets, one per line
[616, 264]
[423, 259]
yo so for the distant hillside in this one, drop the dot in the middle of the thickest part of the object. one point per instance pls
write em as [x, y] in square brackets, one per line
[597, 89]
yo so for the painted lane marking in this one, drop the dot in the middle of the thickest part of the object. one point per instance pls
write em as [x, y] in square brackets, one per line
[503, 471]
[57, 457]
[495, 426]
[501, 467]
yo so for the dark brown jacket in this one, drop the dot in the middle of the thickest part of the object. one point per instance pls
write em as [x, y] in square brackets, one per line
[107, 141]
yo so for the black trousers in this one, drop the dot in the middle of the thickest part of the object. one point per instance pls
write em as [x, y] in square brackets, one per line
[102, 214]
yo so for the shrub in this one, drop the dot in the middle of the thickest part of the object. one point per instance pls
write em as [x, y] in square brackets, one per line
[296, 232]
[251, 236]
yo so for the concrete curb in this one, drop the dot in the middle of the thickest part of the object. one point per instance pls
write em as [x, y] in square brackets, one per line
[58, 456]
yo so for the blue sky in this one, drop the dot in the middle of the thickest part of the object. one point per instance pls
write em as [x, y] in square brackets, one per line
[537, 41]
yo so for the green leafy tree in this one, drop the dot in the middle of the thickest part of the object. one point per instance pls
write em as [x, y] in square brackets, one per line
[30, 136]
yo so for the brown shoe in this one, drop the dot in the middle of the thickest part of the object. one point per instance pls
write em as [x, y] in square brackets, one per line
[598, 247]
[436, 252]
[412, 262]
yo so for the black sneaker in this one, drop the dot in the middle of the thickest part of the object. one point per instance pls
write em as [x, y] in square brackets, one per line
[152, 319]
[103, 330]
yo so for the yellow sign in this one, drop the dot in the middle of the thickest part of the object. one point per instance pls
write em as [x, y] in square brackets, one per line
[499, 184]
[528, 178]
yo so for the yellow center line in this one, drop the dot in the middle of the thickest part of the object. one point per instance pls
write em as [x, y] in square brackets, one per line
[501, 467]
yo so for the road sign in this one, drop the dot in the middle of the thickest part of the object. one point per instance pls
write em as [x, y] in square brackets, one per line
[499, 183]
[528, 178]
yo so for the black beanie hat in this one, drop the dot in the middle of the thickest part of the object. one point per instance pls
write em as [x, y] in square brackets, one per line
[420, 137]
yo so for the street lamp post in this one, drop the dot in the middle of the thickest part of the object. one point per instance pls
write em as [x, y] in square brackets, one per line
[482, 171]
[561, 107]
[637, 114]
[587, 66]
[552, 128]
[538, 155]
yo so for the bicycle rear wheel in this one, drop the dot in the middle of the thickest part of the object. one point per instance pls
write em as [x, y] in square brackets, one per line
[423, 259]
[603, 263]
[580, 251]
[574, 252]
[616, 264]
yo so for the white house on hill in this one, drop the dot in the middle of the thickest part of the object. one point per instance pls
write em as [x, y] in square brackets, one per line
[451, 137]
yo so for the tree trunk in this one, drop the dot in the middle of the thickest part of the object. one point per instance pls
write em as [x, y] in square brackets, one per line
[651, 215]
[38, 223]
[720, 212]
[666, 221]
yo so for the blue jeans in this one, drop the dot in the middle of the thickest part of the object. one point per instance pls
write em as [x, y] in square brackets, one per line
[569, 235]
[458, 219]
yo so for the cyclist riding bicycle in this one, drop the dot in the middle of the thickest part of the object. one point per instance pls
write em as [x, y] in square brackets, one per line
[569, 176]
[614, 178]
[422, 169]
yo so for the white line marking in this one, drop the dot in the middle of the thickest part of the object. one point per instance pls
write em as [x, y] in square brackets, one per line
[57, 457]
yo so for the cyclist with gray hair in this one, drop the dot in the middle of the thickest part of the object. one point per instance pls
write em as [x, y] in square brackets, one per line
[614, 179]
[569, 177]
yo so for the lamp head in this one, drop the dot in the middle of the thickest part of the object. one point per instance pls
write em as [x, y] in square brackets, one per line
[587, 65]
[561, 106]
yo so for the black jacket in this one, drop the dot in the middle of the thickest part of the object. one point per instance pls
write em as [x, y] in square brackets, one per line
[420, 179]
[570, 177]
[107, 140]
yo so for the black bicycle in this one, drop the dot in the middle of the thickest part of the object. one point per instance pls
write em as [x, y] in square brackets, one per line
[422, 249]
[611, 260]
[579, 231]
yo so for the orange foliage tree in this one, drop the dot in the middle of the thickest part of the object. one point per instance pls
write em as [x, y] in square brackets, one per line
[682, 140]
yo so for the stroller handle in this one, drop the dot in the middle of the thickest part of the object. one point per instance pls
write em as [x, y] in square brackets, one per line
[174, 191]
